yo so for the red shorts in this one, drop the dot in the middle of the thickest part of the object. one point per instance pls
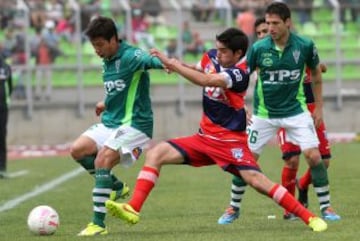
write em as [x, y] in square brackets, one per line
[200, 151]
[289, 149]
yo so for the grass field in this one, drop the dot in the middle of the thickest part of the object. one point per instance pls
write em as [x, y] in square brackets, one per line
[184, 206]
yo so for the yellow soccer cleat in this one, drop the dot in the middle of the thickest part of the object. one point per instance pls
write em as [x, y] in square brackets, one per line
[317, 224]
[123, 193]
[123, 211]
[93, 230]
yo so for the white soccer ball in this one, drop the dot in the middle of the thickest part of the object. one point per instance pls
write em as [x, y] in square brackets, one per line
[43, 220]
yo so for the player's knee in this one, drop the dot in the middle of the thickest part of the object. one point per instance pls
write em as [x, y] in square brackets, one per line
[107, 158]
[313, 156]
[75, 152]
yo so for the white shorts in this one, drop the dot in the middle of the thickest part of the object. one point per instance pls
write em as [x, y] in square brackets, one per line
[300, 130]
[129, 141]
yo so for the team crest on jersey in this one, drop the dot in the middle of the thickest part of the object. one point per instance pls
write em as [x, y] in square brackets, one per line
[138, 53]
[136, 152]
[296, 55]
[209, 69]
[237, 153]
[117, 65]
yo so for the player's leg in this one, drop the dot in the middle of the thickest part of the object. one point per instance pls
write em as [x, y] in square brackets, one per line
[290, 155]
[259, 133]
[185, 150]
[233, 211]
[125, 149]
[305, 180]
[161, 154]
[303, 133]
[84, 151]
[282, 197]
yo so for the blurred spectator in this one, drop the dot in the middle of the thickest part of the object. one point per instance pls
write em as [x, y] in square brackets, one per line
[202, 9]
[65, 28]
[237, 6]
[171, 48]
[349, 5]
[54, 10]
[303, 9]
[193, 43]
[9, 42]
[7, 13]
[220, 6]
[43, 70]
[245, 21]
[37, 13]
[151, 10]
[52, 39]
[140, 27]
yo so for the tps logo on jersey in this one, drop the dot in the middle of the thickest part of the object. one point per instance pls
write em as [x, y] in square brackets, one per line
[237, 153]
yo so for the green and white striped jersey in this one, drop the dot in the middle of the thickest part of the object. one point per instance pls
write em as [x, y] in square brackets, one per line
[279, 89]
[127, 89]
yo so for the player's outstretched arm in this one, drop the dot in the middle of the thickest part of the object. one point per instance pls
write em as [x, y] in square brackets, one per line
[196, 77]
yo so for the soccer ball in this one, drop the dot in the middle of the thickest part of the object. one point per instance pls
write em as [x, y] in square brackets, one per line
[43, 220]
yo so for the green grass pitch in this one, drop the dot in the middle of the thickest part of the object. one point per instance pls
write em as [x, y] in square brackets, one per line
[184, 206]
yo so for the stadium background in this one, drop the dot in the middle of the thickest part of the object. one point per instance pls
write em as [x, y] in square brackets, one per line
[76, 73]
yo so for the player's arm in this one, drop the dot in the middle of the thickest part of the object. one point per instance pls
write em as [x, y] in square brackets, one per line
[196, 77]
[317, 91]
[99, 108]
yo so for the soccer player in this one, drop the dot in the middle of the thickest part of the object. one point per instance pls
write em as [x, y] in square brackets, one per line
[222, 138]
[126, 117]
[279, 98]
[290, 155]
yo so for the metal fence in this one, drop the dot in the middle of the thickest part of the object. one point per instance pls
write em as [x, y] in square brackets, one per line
[175, 13]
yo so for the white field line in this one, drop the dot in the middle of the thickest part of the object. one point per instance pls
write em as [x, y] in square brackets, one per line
[39, 190]
[17, 174]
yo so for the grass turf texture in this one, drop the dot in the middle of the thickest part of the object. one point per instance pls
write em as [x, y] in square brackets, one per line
[185, 205]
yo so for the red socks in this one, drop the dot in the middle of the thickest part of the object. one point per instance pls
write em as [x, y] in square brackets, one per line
[289, 203]
[145, 182]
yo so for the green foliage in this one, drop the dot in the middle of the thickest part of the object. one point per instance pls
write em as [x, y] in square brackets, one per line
[185, 204]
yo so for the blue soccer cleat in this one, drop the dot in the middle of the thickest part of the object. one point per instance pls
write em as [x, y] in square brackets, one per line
[229, 216]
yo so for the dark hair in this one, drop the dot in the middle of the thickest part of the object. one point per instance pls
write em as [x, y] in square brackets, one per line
[259, 21]
[280, 9]
[234, 39]
[102, 27]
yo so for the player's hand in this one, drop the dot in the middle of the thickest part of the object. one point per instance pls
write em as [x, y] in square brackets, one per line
[323, 68]
[248, 116]
[317, 116]
[168, 63]
[99, 108]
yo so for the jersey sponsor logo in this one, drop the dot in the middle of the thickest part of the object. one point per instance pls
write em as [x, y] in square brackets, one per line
[267, 62]
[111, 85]
[215, 93]
[296, 55]
[283, 74]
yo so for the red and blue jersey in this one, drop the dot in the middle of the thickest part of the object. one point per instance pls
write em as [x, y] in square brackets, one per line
[224, 116]
[308, 87]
